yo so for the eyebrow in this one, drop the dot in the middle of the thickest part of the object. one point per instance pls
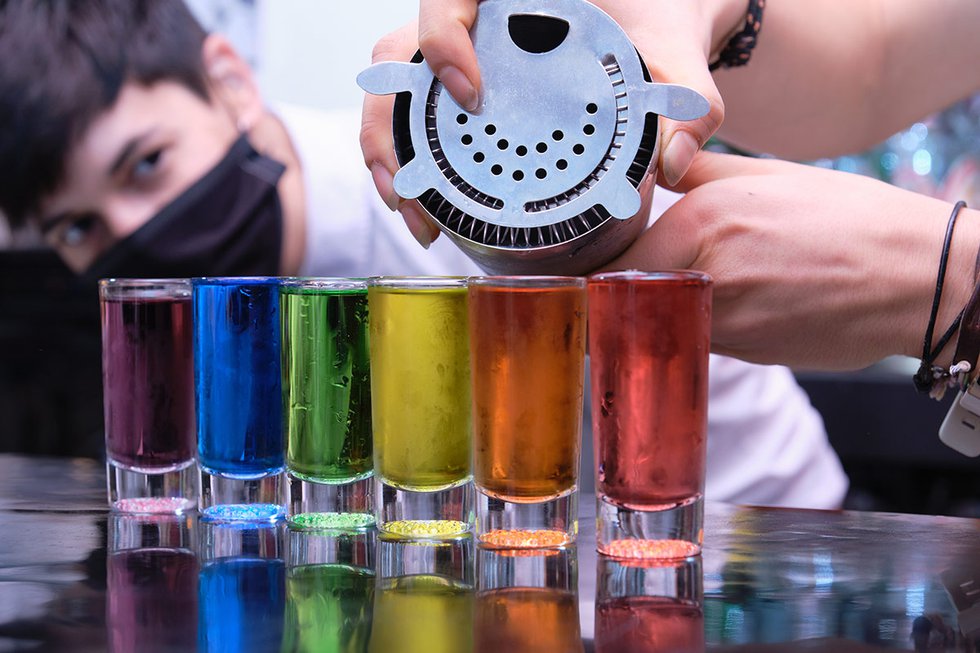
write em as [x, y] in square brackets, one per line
[133, 144]
[127, 151]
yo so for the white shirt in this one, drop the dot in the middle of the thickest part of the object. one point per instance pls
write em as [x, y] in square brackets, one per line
[766, 443]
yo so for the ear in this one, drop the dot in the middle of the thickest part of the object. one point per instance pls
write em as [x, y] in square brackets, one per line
[232, 82]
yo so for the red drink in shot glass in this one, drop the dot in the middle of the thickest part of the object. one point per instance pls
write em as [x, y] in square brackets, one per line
[148, 386]
[649, 338]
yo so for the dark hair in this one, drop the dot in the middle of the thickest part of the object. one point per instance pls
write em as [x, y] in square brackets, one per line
[63, 62]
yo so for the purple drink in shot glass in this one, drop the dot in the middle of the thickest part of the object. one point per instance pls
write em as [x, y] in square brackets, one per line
[148, 383]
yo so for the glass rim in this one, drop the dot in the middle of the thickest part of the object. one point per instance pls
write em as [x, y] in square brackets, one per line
[237, 281]
[418, 283]
[325, 283]
[122, 288]
[651, 277]
[528, 281]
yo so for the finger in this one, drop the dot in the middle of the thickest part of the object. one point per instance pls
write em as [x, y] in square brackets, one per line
[712, 166]
[376, 139]
[682, 140]
[444, 39]
[421, 226]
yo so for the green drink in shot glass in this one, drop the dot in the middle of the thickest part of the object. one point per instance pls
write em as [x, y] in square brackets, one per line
[327, 402]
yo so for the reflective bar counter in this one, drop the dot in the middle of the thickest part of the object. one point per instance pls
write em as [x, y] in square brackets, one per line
[74, 578]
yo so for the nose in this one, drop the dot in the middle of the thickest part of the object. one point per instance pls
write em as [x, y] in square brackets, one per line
[124, 216]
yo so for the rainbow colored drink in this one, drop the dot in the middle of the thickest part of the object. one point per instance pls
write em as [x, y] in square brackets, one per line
[147, 372]
[527, 338]
[649, 338]
[238, 387]
[327, 395]
[420, 385]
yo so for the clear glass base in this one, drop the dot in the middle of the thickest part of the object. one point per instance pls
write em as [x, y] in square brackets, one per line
[240, 539]
[675, 531]
[331, 546]
[450, 557]
[226, 498]
[146, 492]
[426, 515]
[330, 505]
[544, 524]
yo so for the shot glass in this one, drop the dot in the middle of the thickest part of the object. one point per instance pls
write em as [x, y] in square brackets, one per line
[652, 605]
[527, 337]
[242, 595]
[330, 581]
[327, 402]
[152, 574]
[423, 601]
[649, 338]
[527, 600]
[238, 386]
[420, 398]
[147, 375]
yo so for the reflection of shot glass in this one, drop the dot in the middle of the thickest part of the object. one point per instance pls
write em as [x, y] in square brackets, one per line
[527, 338]
[147, 372]
[242, 587]
[329, 590]
[327, 401]
[239, 398]
[527, 601]
[649, 337]
[423, 601]
[654, 606]
[152, 583]
[420, 397]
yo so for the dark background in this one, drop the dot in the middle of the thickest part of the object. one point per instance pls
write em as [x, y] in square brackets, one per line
[51, 399]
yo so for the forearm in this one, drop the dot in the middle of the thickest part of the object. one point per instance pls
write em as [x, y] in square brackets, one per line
[831, 77]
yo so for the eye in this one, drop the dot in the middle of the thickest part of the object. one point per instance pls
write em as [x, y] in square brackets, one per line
[148, 164]
[76, 232]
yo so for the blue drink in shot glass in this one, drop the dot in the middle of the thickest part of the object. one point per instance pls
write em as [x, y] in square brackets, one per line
[238, 386]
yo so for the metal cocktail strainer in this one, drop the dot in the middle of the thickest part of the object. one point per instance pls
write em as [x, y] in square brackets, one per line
[544, 176]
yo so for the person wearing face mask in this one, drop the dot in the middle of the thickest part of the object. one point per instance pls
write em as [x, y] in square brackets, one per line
[140, 146]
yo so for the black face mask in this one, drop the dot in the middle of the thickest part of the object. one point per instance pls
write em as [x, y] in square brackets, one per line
[228, 223]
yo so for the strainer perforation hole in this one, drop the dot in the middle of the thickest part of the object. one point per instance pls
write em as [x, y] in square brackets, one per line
[520, 150]
[502, 144]
[558, 134]
[542, 148]
[496, 169]
[589, 129]
[591, 107]
[540, 173]
[479, 157]
[462, 118]
[518, 175]
[490, 130]
[561, 164]
[578, 148]
[466, 139]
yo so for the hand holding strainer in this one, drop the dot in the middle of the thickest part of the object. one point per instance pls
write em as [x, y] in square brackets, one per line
[546, 175]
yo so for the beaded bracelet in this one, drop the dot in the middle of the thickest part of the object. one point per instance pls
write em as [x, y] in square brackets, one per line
[738, 50]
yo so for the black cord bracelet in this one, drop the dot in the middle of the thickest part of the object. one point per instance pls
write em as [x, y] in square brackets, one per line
[738, 50]
[929, 375]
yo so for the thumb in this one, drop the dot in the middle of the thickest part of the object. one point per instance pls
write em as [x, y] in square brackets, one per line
[445, 42]
[681, 140]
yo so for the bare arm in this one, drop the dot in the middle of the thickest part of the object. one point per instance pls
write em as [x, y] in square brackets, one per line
[831, 77]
